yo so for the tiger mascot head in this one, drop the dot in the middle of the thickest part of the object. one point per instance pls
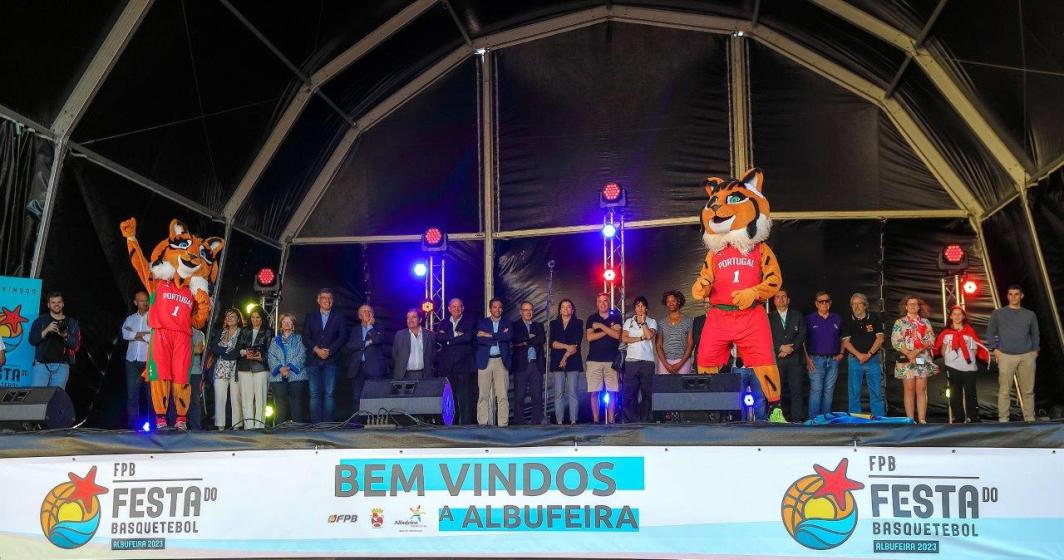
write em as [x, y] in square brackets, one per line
[737, 212]
[186, 259]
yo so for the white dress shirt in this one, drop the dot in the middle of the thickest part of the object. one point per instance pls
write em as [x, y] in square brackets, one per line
[416, 361]
[138, 349]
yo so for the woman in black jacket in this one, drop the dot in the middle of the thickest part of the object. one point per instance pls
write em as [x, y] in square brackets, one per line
[225, 346]
[252, 370]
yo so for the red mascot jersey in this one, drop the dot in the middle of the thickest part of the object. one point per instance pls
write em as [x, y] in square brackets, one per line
[732, 271]
[171, 308]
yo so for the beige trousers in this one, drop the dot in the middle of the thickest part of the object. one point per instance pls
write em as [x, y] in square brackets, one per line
[493, 382]
[1021, 366]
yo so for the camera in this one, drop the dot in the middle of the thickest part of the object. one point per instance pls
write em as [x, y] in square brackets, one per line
[61, 327]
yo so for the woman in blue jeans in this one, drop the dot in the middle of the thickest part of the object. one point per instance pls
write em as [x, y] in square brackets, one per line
[566, 334]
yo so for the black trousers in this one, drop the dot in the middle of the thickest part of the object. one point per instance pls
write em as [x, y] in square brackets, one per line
[637, 382]
[794, 376]
[527, 380]
[290, 400]
[464, 390]
[963, 402]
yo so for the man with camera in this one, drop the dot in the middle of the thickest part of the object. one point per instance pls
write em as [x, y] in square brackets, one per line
[55, 337]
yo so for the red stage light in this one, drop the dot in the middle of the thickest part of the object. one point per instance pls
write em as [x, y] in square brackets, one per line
[953, 254]
[611, 192]
[970, 287]
[427, 307]
[266, 276]
[609, 275]
[433, 236]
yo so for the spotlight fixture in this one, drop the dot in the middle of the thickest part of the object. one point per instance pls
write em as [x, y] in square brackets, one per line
[613, 196]
[420, 269]
[434, 240]
[266, 281]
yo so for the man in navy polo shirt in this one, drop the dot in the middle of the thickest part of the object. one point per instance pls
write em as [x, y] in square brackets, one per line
[823, 350]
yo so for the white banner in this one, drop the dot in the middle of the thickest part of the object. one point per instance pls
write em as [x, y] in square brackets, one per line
[631, 502]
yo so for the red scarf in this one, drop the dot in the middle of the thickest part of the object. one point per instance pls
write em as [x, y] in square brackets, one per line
[958, 344]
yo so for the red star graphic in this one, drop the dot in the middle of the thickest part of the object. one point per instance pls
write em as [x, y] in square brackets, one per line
[835, 482]
[86, 488]
[12, 317]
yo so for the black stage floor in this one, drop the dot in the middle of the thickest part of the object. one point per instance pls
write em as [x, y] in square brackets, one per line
[1047, 435]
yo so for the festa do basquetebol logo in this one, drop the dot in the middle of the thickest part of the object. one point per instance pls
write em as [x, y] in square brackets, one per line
[11, 329]
[819, 510]
[70, 513]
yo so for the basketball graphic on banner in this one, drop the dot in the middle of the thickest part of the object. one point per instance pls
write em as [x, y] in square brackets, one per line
[11, 330]
[70, 513]
[819, 510]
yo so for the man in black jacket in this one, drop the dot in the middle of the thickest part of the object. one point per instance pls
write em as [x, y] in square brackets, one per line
[527, 365]
[788, 340]
[366, 345]
[455, 337]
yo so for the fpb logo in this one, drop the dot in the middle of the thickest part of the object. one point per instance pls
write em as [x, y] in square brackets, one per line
[819, 510]
[70, 513]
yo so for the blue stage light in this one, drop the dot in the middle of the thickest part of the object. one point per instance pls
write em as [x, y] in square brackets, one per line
[748, 400]
[146, 427]
[606, 397]
[609, 230]
[420, 269]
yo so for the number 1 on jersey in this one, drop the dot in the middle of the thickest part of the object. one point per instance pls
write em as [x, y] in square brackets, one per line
[176, 308]
[735, 279]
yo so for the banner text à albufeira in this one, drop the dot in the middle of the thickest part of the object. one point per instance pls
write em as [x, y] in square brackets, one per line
[480, 479]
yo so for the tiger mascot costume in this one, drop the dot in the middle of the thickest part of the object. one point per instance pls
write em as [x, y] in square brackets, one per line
[178, 279]
[740, 273]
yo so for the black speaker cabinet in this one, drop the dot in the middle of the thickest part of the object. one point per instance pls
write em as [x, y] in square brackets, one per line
[31, 407]
[680, 393]
[430, 398]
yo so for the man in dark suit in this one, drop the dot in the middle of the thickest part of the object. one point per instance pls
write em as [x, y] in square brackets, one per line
[366, 345]
[493, 364]
[788, 341]
[413, 350]
[528, 364]
[455, 337]
[324, 335]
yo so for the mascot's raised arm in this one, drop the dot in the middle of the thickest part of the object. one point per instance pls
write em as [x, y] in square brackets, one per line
[740, 273]
[178, 279]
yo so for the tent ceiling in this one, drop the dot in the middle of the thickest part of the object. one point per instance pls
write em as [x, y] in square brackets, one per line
[195, 96]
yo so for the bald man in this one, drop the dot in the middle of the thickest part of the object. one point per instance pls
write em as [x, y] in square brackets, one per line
[455, 337]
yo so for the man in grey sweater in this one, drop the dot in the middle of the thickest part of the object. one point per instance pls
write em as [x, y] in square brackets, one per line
[1013, 335]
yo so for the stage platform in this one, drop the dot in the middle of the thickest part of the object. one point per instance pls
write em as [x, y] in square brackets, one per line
[587, 491]
[1046, 435]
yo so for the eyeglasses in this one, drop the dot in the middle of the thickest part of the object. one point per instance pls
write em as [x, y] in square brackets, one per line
[823, 301]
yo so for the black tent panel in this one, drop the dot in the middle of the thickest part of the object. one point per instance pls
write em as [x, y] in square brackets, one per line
[909, 16]
[824, 148]
[833, 37]
[742, 9]
[644, 106]
[25, 165]
[1047, 206]
[310, 268]
[966, 155]
[294, 167]
[313, 32]
[45, 48]
[188, 61]
[244, 257]
[414, 170]
[1014, 261]
[482, 18]
[395, 62]
[86, 259]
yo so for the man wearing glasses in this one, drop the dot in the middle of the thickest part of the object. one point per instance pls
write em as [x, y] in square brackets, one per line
[823, 347]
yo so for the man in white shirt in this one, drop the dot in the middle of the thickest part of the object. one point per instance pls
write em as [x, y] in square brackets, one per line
[413, 350]
[136, 332]
[639, 332]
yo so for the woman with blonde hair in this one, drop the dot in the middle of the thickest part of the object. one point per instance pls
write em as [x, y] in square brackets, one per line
[914, 339]
[288, 374]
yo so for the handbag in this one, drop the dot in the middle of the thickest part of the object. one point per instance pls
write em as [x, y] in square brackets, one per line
[618, 361]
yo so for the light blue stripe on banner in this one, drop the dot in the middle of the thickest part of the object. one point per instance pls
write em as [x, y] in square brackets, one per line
[626, 472]
[543, 518]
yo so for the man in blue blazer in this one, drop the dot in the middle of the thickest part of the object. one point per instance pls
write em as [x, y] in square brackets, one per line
[528, 364]
[366, 344]
[493, 364]
[324, 335]
[455, 337]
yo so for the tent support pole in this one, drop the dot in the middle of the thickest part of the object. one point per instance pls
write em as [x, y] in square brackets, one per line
[218, 282]
[984, 253]
[49, 205]
[740, 107]
[1033, 231]
[487, 170]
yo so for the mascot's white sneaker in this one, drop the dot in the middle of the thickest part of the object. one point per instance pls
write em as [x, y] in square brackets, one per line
[182, 424]
[160, 423]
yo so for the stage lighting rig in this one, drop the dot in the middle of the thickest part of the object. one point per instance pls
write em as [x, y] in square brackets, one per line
[953, 259]
[613, 195]
[266, 281]
[434, 240]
